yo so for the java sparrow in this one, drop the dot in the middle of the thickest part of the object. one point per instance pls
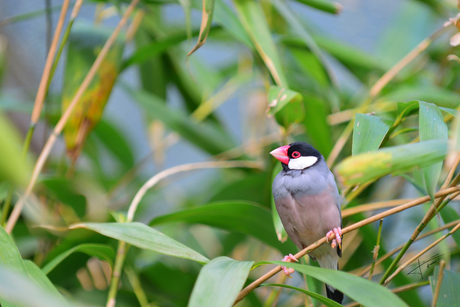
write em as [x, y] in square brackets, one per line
[308, 203]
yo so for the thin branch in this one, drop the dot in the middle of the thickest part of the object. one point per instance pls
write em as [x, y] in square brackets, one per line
[438, 283]
[355, 226]
[392, 252]
[373, 206]
[403, 266]
[183, 168]
[65, 37]
[389, 75]
[376, 250]
[41, 93]
[63, 120]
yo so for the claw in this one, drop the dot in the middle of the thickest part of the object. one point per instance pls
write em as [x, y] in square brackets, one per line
[338, 237]
[288, 271]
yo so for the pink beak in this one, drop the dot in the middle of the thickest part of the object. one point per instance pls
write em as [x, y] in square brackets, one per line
[281, 154]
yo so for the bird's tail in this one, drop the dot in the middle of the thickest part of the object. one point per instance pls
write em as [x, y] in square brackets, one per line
[330, 261]
[334, 294]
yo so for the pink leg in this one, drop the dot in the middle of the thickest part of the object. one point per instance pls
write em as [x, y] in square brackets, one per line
[338, 237]
[288, 271]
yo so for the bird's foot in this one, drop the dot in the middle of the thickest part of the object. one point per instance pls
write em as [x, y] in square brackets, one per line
[288, 271]
[338, 237]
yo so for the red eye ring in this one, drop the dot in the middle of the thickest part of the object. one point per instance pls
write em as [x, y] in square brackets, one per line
[296, 154]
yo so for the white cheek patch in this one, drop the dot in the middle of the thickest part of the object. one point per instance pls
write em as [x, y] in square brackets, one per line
[302, 162]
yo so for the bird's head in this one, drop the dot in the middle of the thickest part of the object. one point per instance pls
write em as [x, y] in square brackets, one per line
[297, 155]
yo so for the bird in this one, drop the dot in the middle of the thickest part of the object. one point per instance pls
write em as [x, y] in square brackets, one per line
[308, 203]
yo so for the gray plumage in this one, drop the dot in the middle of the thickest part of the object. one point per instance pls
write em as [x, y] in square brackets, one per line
[308, 203]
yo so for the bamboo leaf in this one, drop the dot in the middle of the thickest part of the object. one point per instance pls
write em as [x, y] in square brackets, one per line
[219, 282]
[40, 279]
[431, 127]
[9, 253]
[256, 26]
[359, 289]
[324, 300]
[85, 43]
[369, 166]
[142, 236]
[368, 133]
[101, 251]
[17, 289]
[12, 167]
[236, 216]
[286, 105]
[279, 228]
[323, 5]
[449, 295]
[206, 21]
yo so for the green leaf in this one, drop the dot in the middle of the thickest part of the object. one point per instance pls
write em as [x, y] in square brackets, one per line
[85, 43]
[12, 167]
[115, 142]
[226, 16]
[206, 21]
[64, 190]
[39, 277]
[431, 127]
[449, 295]
[323, 5]
[359, 289]
[326, 301]
[316, 125]
[155, 48]
[236, 216]
[286, 105]
[9, 253]
[369, 166]
[101, 251]
[299, 29]
[279, 228]
[441, 96]
[13, 267]
[368, 133]
[219, 282]
[17, 289]
[142, 236]
[203, 135]
[256, 26]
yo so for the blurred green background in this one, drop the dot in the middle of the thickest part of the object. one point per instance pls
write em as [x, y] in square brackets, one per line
[270, 72]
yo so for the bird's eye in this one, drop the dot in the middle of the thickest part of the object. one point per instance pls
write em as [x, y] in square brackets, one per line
[295, 154]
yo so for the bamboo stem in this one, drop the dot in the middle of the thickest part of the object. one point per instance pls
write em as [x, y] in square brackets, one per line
[376, 250]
